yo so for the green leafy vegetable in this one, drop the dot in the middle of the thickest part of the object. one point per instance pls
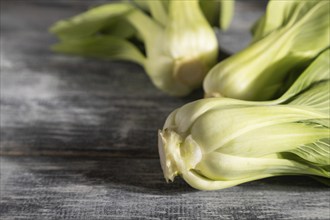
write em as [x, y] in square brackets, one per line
[216, 143]
[287, 38]
[218, 12]
[179, 45]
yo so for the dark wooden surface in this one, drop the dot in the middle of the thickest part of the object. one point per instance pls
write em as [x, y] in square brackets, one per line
[79, 136]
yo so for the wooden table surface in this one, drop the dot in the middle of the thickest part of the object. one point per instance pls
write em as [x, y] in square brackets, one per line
[79, 136]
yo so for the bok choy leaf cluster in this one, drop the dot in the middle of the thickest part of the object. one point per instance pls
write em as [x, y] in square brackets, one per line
[286, 39]
[215, 143]
[171, 39]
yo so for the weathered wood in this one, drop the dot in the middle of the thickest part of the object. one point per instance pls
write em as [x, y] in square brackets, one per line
[83, 188]
[98, 122]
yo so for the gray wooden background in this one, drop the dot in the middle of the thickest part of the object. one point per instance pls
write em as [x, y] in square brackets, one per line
[79, 136]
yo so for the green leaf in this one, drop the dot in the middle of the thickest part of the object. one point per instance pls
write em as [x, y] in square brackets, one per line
[219, 166]
[158, 11]
[312, 28]
[120, 28]
[317, 152]
[211, 10]
[142, 4]
[317, 97]
[277, 14]
[91, 22]
[226, 13]
[274, 139]
[316, 72]
[218, 12]
[105, 47]
[146, 27]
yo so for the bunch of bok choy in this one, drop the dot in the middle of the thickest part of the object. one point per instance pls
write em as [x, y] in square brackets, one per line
[179, 45]
[287, 38]
[216, 143]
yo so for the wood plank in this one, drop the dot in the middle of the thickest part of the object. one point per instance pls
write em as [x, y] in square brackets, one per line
[86, 188]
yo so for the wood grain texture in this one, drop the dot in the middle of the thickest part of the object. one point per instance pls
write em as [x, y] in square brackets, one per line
[120, 188]
[79, 136]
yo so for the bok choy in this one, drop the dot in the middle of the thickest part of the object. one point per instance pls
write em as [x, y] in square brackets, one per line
[216, 143]
[219, 13]
[178, 44]
[286, 39]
